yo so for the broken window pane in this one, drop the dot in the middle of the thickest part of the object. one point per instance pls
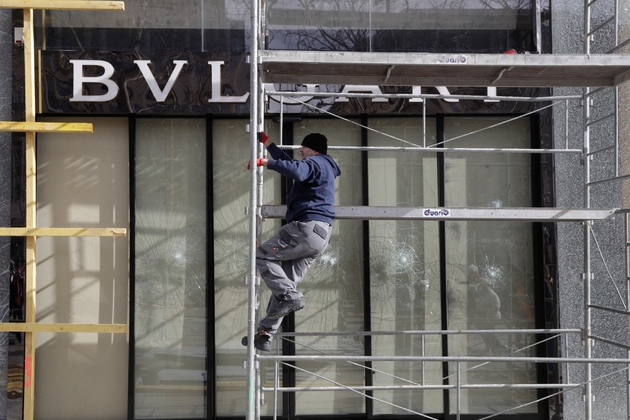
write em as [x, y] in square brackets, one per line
[490, 269]
[171, 269]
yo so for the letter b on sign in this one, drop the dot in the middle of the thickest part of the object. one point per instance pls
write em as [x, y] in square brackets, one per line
[104, 79]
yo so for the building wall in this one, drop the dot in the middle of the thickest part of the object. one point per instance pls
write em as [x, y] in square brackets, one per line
[85, 280]
[6, 38]
[607, 237]
[83, 181]
[624, 108]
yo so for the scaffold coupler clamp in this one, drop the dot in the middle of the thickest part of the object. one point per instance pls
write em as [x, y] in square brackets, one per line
[256, 280]
[257, 212]
[256, 364]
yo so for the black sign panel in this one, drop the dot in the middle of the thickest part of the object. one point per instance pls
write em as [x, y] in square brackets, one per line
[121, 83]
[195, 83]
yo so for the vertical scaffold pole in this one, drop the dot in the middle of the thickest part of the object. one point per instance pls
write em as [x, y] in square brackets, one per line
[587, 276]
[586, 109]
[253, 397]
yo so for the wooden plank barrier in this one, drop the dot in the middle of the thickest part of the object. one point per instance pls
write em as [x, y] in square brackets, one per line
[30, 126]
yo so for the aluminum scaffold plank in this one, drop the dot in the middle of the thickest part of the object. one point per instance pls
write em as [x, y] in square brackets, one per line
[422, 69]
[522, 214]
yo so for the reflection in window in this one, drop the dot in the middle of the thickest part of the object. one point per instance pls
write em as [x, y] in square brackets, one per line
[490, 264]
[400, 25]
[399, 14]
[377, 14]
[170, 273]
[151, 25]
[488, 273]
[230, 195]
[160, 14]
[484, 26]
[404, 266]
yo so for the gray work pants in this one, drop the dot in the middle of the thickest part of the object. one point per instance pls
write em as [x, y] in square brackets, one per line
[284, 259]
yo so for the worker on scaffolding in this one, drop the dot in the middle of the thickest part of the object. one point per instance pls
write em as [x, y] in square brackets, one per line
[283, 260]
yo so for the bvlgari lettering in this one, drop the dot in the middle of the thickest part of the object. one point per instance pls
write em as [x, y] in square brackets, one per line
[161, 93]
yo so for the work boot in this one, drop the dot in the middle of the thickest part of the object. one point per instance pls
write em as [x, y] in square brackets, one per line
[285, 307]
[262, 340]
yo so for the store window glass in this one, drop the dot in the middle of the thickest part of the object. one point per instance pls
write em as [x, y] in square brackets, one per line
[170, 269]
[230, 196]
[484, 26]
[485, 264]
[150, 25]
[399, 14]
[400, 25]
[333, 288]
[372, 14]
[489, 264]
[404, 266]
[164, 14]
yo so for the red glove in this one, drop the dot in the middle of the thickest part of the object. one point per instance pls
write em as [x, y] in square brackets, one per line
[259, 162]
[263, 137]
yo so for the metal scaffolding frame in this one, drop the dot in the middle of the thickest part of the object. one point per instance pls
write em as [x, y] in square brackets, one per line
[605, 71]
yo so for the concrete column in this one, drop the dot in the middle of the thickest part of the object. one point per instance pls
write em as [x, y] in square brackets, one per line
[624, 107]
[624, 118]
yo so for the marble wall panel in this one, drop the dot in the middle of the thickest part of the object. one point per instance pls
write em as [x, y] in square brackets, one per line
[6, 39]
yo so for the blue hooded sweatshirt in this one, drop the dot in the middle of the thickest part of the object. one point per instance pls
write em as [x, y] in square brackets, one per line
[313, 193]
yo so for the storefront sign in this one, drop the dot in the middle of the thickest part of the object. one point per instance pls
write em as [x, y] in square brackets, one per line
[197, 83]
[160, 94]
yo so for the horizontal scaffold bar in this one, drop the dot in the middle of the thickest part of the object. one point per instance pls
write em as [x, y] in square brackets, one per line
[58, 127]
[473, 359]
[430, 332]
[433, 149]
[543, 214]
[63, 4]
[15, 231]
[417, 387]
[433, 69]
[57, 327]
[290, 94]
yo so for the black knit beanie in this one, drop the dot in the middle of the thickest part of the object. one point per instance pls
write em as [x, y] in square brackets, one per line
[317, 142]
